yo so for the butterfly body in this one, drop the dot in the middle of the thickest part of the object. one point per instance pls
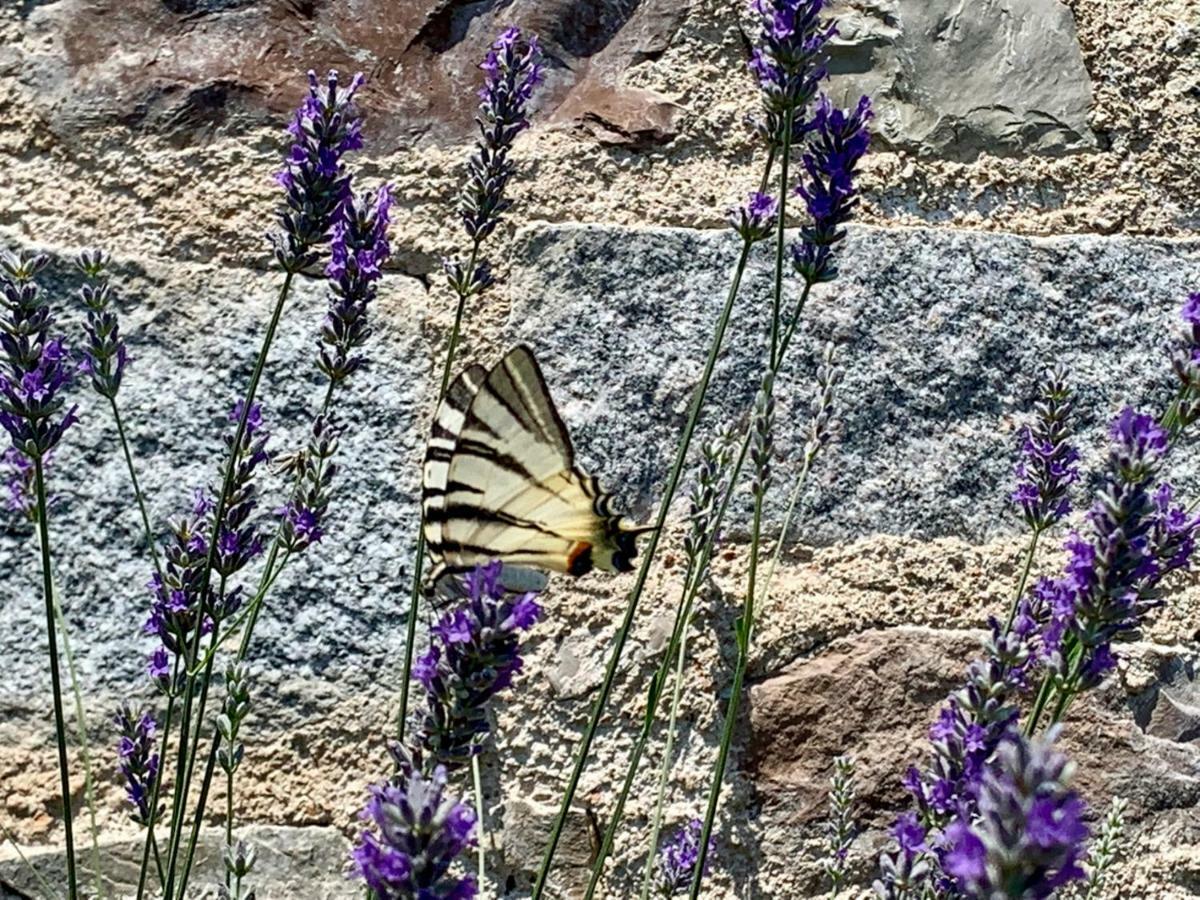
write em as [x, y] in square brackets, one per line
[501, 482]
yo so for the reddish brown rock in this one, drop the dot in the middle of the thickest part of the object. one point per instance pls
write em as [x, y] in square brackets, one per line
[185, 68]
[875, 695]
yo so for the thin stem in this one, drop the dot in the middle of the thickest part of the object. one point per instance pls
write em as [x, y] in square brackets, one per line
[60, 729]
[137, 490]
[89, 792]
[151, 841]
[162, 875]
[1024, 580]
[793, 502]
[414, 600]
[780, 241]
[206, 578]
[657, 684]
[481, 850]
[744, 631]
[228, 816]
[622, 635]
[47, 890]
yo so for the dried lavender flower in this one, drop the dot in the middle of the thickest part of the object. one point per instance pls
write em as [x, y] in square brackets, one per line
[314, 178]
[105, 354]
[415, 833]
[716, 456]
[755, 219]
[512, 69]
[788, 60]
[1105, 848]
[233, 713]
[837, 141]
[138, 760]
[820, 422]
[475, 654]
[1049, 464]
[239, 862]
[841, 822]
[762, 441]
[358, 248]
[1028, 837]
[34, 366]
[677, 859]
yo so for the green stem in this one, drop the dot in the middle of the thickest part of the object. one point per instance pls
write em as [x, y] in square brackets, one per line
[137, 490]
[481, 850]
[414, 600]
[151, 841]
[182, 766]
[793, 503]
[60, 729]
[1025, 570]
[47, 891]
[780, 239]
[622, 635]
[744, 632]
[228, 816]
[89, 792]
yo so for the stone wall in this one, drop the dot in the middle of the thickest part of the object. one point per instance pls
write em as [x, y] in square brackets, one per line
[1033, 194]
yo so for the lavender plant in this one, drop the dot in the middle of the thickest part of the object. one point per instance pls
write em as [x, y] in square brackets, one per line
[513, 68]
[841, 822]
[679, 859]
[34, 373]
[1106, 847]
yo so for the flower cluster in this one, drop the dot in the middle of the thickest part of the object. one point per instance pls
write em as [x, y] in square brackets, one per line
[20, 491]
[841, 821]
[762, 441]
[34, 366]
[138, 760]
[416, 832]
[358, 247]
[313, 471]
[177, 609]
[512, 69]
[755, 219]
[788, 59]
[1185, 360]
[105, 354]
[1111, 577]
[712, 477]
[1028, 837]
[837, 141]
[821, 425]
[1049, 464]
[678, 856]
[1106, 847]
[314, 179]
[475, 654]
[904, 873]
[233, 713]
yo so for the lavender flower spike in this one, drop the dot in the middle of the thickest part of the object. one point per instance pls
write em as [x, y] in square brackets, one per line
[512, 69]
[358, 248]
[34, 366]
[475, 654]
[1049, 464]
[20, 492]
[839, 138]
[314, 179]
[677, 859]
[138, 760]
[105, 356]
[789, 60]
[1028, 838]
[755, 219]
[415, 834]
[1185, 360]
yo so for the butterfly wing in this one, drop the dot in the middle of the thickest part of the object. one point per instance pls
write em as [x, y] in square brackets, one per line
[511, 489]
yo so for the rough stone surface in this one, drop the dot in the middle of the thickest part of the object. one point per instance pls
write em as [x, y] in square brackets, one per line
[1026, 90]
[941, 334]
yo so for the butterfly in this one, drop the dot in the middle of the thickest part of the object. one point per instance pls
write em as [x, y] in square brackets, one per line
[500, 482]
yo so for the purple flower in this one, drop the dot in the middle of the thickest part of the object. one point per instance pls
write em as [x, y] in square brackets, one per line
[909, 835]
[677, 859]
[414, 834]
[755, 219]
[1049, 464]
[788, 60]
[1028, 838]
[475, 654]
[358, 248]
[837, 141]
[20, 491]
[312, 470]
[137, 760]
[315, 183]
[105, 354]
[512, 69]
[159, 668]
[35, 368]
